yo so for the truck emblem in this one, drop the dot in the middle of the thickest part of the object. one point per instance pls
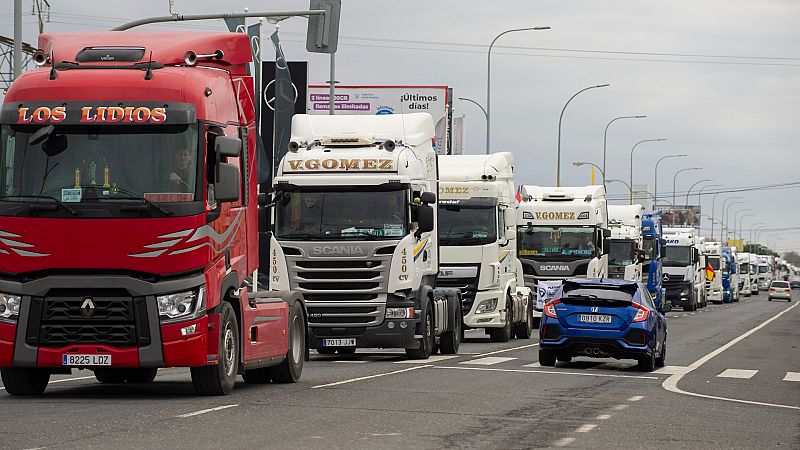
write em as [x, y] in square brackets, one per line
[87, 308]
[665, 277]
[553, 267]
[337, 250]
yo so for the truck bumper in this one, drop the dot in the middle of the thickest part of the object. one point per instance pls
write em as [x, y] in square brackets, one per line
[493, 319]
[389, 334]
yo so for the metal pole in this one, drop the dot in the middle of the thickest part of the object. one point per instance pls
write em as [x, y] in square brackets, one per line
[332, 92]
[736, 219]
[17, 38]
[582, 163]
[183, 18]
[630, 188]
[702, 188]
[655, 178]
[727, 224]
[723, 212]
[741, 238]
[752, 227]
[630, 202]
[489, 78]
[558, 153]
[675, 180]
[692, 187]
[605, 139]
[485, 115]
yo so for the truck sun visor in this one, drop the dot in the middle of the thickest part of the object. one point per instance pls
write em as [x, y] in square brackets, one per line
[77, 113]
[110, 54]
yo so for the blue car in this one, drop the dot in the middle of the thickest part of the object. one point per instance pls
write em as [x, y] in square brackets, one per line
[603, 318]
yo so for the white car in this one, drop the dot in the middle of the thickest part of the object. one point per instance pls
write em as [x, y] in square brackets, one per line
[781, 290]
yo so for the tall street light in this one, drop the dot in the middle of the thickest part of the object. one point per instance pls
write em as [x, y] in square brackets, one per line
[735, 220]
[726, 215]
[558, 153]
[754, 227]
[485, 114]
[655, 180]
[722, 213]
[675, 180]
[630, 189]
[605, 137]
[713, 208]
[741, 219]
[703, 188]
[489, 78]
[705, 180]
[584, 163]
[634, 148]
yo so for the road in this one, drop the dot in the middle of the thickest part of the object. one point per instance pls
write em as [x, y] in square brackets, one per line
[732, 380]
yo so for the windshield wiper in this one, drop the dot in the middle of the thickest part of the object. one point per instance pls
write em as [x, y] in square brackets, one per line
[34, 206]
[147, 202]
[299, 236]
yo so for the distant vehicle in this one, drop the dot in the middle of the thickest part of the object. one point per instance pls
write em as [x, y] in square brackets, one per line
[602, 318]
[743, 260]
[795, 284]
[780, 290]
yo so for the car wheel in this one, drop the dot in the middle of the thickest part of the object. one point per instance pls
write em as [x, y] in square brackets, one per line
[662, 358]
[547, 358]
[564, 358]
[647, 363]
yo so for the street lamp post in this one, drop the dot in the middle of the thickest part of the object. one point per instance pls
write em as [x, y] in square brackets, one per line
[722, 212]
[584, 163]
[485, 114]
[726, 215]
[630, 202]
[655, 180]
[489, 77]
[630, 190]
[735, 220]
[675, 180]
[692, 187]
[741, 219]
[754, 227]
[703, 188]
[605, 138]
[558, 152]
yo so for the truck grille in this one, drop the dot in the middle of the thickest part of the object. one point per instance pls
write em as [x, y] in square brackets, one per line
[468, 286]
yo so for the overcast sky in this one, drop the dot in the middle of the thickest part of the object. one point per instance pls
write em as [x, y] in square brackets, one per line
[735, 110]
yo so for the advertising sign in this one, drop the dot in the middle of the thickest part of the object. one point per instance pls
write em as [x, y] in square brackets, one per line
[387, 100]
[688, 216]
[546, 291]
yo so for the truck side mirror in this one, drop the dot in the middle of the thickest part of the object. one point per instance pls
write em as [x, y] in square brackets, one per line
[510, 234]
[665, 307]
[226, 189]
[663, 248]
[640, 255]
[228, 146]
[427, 197]
[425, 218]
[606, 233]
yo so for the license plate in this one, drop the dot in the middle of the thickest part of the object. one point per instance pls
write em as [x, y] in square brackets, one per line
[349, 342]
[85, 360]
[595, 318]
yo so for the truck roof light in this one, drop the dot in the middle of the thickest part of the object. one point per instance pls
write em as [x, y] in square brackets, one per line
[348, 141]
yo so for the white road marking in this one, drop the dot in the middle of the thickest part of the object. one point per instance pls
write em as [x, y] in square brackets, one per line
[737, 373]
[536, 364]
[671, 383]
[604, 417]
[353, 380]
[673, 370]
[792, 376]
[350, 361]
[586, 428]
[619, 407]
[508, 349]
[490, 361]
[563, 442]
[636, 398]
[205, 411]
[433, 358]
[2, 388]
[551, 372]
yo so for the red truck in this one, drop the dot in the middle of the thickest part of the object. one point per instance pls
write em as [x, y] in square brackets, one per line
[129, 217]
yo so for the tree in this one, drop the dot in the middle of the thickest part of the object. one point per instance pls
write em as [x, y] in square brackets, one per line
[792, 257]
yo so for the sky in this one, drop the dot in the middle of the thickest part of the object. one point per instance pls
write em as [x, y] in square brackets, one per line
[720, 79]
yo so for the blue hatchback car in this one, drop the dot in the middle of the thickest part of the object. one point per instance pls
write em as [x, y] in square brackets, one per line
[603, 318]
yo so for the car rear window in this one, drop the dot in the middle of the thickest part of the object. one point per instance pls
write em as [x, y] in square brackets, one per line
[600, 294]
[780, 284]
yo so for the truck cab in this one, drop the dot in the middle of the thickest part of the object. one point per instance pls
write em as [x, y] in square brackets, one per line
[713, 278]
[625, 254]
[477, 234]
[654, 247]
[754, 274]
[730, 275]
[743, 270]
[764, 272]
[683, 278]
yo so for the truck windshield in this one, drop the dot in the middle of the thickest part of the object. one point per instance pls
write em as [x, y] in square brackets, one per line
[650, 247]
[753, 270]
[743, 268]
[713, 261]
[678, 256]
[341, 215]
[459, 225]
[556, 241]
[80, 163]
[763, 269]
[622, 253]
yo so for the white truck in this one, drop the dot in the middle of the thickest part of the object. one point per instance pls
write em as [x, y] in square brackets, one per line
[683, 273]
[764, 272]
[478, 239]
[713, 280]
[743, 260]
[753, 274]
[355, 231]
[562, 232]
[625, 254]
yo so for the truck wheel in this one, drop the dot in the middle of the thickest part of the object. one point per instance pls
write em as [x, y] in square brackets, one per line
[291, 368]
[219, 379]
[503, 334]
[547, 358]
[524, 330]
[426, 341]
[110, 376]
[24, 381]
[139, 376]
[451, 340]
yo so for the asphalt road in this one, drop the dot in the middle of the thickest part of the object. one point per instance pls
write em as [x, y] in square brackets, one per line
[732, 381]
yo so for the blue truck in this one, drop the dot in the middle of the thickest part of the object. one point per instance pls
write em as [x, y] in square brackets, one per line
[654, 245]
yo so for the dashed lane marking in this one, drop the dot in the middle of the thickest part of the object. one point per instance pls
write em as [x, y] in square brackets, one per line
[636, 398]
[353, 380]
[737, 373]
[604, 417]
[586, 428]
[489, 361]
[536, 364]
[433, 358]
[619, 407]
[563, 442]
[792, 376]
[673, 370]
[350, 361]
[205, 411]
[550, 372]
[508, 350]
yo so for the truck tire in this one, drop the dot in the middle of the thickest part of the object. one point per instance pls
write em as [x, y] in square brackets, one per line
[450, 341]
[109, 376]
[524, 330]
[220, 378]
[24, 381]
[425, 348]
[291, 368]
[503, 334]
[547, 358]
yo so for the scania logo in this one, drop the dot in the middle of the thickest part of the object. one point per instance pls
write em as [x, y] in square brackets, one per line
[553, 267]
[337, 250]
[665, 277]
[87, 308]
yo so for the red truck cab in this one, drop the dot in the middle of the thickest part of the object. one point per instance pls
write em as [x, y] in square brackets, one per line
[129, 216]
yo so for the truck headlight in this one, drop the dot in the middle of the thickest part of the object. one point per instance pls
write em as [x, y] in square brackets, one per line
[400, 313]
[486, 306]
[685, 292]
[9, 307]
[181, 306]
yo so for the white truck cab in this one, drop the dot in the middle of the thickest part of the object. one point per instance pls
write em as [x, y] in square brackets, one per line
[743, 260]
[625, 253]
[683, 273]
[713, 253]
[764, 272]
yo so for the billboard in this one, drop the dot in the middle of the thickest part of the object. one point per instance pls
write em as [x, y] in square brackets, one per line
[688, 216]
[388, 100]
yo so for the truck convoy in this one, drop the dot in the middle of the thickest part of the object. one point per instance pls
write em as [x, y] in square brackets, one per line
[129, 217]
[713, 278]
[625, 254]
[743, 269]
[683, 273]
[654, 246]
[356, 233]
[478, 239]
[764, 272]
[753, 274]
[730, 275]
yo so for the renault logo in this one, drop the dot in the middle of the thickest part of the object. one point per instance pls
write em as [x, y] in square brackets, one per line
[665, 277]
[87, 308]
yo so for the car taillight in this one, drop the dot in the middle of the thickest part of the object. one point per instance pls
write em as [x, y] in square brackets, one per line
[641, 314]
[787, 291]
[772, 289]
[550, 308]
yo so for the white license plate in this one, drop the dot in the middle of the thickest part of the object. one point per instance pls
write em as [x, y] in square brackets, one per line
[595, 318]
[349, 342]
[85, 360]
